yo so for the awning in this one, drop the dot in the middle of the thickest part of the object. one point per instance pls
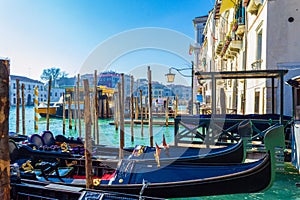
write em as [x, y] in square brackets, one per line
[227, 4]
[254, 74]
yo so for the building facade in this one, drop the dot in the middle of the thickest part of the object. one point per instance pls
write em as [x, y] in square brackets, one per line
[110, 79]
[29, 85]
[251, 35]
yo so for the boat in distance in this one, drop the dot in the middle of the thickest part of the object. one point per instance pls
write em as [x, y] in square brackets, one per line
[54, 108]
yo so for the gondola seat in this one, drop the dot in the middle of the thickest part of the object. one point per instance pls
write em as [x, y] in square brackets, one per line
[61, 139]
[36, 140]
[48, 138]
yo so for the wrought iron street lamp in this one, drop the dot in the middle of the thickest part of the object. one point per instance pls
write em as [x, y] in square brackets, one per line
[171, 77]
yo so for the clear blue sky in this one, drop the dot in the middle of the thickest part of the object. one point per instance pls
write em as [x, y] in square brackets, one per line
[39, 34]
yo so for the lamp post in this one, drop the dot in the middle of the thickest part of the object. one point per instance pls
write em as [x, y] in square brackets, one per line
[171, 76]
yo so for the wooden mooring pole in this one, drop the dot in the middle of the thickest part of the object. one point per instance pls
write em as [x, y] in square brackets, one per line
[76, 107]
[176, 106]
[146, 108]
[142, 113]
[36, 104]
[64, 114]
[75, 110]
[92, 115]
[136, 100]
[23, 110]
[116, 110]
[96, 123]
[167, 112]
[18, 107]
[150, 106]
[107, 108]
[48, 104]
[131, 108]
[104, 108]
[70, 111]
[78, 104]
[122, 124]
[101, 107]
[88, 136]
[4, 123]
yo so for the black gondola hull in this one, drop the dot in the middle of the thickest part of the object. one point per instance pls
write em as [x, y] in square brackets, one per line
[249, 181]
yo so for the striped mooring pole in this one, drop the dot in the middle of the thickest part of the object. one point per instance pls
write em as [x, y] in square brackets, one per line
[36, 102]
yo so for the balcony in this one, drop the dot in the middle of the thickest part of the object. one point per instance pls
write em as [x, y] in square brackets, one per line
[254, 6]
[232, 53]
[240, 19]
[235, 45]
[219, 47]
[240, 30]
[229, 56]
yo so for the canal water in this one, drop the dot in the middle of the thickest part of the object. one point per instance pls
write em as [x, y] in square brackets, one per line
[283, 188]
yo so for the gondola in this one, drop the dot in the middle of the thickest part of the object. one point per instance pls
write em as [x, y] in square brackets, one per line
[40, 190]
[44, 147]
[38, 149]
[187, 180]
[179, 180]
[230, 153]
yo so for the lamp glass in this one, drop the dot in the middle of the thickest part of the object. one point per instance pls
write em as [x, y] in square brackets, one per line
[170, 77]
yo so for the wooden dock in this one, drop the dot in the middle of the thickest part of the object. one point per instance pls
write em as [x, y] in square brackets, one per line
[161, 123]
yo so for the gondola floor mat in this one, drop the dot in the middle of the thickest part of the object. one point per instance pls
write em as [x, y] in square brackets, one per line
[64, 187]
[78, 181]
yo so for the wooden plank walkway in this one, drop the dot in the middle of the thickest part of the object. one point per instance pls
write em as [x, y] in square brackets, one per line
[146, 122]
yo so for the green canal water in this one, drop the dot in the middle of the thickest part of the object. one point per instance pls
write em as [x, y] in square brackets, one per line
[283, 188]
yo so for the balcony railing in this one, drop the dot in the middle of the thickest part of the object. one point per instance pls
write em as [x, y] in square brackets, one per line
[256, 65]
[235, 45]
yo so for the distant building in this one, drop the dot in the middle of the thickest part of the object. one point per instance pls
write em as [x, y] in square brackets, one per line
[141, 81]
[29, 85]
[89, 77]
[183, 92]
[159, 91]
[66, 82]
[110, 79]
[56, 94]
